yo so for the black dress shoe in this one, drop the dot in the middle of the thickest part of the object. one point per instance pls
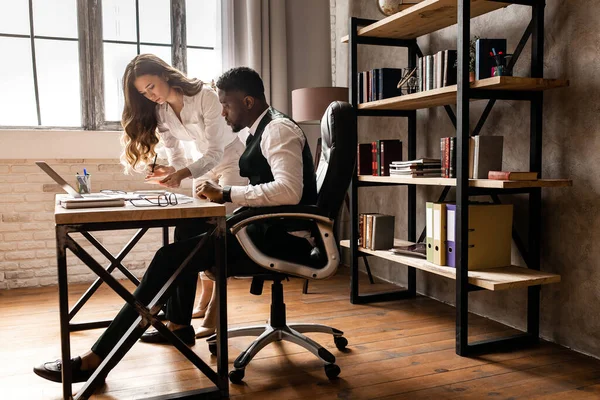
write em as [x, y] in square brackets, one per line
[187, 336]
[53, 371]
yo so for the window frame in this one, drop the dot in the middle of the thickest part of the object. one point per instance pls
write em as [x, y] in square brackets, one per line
[91, 60]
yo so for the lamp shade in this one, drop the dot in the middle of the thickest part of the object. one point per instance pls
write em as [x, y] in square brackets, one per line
[309, 104]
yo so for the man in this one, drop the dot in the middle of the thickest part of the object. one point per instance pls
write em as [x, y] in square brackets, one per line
[278, 163]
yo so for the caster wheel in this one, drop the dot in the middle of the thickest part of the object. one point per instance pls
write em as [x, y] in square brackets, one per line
[237, 375]
[212, 347]
[340, 342]
[332, 371]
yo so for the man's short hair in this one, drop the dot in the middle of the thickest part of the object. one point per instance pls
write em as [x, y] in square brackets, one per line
[242, 79]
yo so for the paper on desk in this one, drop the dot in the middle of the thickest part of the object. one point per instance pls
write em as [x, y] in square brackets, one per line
[183, 199]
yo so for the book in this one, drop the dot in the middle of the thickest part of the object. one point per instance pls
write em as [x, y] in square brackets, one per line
[388, 79]
[382, 232]
[364, 159]
[513, 175]
[416, 249]
[420, 161]
[484, 61]
[73, 203]
[389, 151]
[450, 67]
[429, 72]
[487, 155]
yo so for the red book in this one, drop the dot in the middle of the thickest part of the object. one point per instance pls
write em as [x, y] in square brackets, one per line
[513, 176]
[374, 158]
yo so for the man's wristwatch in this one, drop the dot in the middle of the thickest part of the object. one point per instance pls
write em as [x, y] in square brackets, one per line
[227, 194]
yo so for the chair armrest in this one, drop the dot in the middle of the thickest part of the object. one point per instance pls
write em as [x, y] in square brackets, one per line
[240, 221]
[245, 217]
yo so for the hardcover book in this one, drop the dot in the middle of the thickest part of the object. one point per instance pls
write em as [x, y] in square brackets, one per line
[513, 175]
[484, 60]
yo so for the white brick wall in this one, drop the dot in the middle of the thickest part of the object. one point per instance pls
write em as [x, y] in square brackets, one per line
[27, 240]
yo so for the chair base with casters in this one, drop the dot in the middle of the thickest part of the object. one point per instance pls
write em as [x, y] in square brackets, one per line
[277, 329]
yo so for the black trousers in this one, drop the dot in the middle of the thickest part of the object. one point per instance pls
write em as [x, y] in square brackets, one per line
[271, 240]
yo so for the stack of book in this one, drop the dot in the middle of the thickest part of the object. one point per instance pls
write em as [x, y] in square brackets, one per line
[421, 168]
[374, 158]
[378, 84]
[485, 155]
[376, 231]
[437, 70]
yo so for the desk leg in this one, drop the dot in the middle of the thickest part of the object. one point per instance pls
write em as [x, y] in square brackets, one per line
[165, 235]
[221, 287]
[63, 304]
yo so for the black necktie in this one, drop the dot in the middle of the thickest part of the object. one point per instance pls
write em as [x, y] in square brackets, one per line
[249, 139]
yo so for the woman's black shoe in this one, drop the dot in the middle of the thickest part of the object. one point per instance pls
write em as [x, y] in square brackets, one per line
[187, 336]
[53, 371]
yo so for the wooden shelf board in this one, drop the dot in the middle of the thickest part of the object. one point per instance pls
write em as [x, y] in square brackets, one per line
[423, 18]
[447, 95]
[494, 279]
[479, 183]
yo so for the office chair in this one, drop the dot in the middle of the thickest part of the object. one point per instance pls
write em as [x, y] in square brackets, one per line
[336, 166]
[347, 202]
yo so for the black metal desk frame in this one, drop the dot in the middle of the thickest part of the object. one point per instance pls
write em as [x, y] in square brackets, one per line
[148, 313]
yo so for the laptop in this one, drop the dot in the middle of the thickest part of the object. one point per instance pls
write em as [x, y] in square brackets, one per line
[82, 200]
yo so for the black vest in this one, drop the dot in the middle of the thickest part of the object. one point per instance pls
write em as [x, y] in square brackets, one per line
[254, 165]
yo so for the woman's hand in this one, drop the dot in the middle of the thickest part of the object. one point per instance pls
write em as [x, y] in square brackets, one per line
[158, 171]
[174, 180]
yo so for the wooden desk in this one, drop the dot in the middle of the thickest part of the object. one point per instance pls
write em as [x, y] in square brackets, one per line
[88, 220]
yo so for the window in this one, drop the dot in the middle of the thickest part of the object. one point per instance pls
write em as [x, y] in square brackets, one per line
[39, 49]
[203, 38]
[54, 45]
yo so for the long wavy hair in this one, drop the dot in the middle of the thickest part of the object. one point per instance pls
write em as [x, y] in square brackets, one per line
[139, 119]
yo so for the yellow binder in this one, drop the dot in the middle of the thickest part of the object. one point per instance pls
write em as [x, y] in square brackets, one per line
[439, 233]
[490, 235]
[429, 230]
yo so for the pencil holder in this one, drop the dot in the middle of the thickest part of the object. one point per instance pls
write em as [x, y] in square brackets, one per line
[501, 69]
[84, 184]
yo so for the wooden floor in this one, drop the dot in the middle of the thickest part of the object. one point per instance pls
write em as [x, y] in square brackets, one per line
[398, 350]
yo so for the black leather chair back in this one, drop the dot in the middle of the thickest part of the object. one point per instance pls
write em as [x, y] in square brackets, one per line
[338, 156]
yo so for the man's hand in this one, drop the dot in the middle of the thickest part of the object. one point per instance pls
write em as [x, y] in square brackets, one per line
[211, 191]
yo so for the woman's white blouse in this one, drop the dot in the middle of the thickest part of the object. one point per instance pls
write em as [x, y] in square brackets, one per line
[201, 122]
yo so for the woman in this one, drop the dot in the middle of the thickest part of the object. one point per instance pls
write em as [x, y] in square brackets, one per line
[161, 103]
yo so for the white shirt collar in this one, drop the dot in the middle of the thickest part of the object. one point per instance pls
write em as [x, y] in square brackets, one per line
[254, 126]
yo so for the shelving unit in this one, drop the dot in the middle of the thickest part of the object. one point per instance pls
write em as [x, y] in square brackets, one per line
[502, 278]
[447, 95]
[475, 183]
[401, 30]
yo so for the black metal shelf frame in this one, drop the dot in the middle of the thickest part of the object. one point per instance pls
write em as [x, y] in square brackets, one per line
[460, 120]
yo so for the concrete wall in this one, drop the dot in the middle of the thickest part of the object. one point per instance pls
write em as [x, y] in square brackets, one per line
[570, 217]
[309, 52]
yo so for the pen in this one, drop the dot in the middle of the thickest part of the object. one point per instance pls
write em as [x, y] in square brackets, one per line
[154, 163]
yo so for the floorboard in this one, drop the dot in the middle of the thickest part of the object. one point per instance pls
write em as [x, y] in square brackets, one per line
[397, 350]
